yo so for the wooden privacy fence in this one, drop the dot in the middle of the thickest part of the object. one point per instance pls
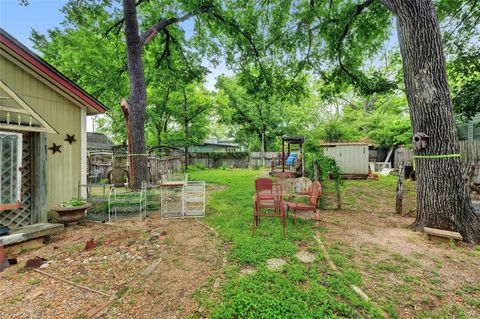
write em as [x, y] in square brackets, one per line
[157, 166]
[237, 160]
[219, 159]
[257, 160]
[470, 150]
[406, 187]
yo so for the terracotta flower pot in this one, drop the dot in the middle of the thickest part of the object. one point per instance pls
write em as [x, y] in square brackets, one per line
[71, 215]
[3, 259]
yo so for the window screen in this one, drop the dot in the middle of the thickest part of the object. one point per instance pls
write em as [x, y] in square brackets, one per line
[10, 175]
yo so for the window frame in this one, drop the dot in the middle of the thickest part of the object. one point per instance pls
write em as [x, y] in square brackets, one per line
[17, 203]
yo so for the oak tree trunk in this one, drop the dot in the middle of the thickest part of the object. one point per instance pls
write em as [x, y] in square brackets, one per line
[138, 97]
[185, 127]
[441, 198]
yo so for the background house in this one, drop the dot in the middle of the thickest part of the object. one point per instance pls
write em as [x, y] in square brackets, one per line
[471, 130]
[216, 145]
[43, 138]
[98, 142]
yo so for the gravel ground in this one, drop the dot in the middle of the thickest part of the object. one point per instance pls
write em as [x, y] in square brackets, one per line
[189, 254]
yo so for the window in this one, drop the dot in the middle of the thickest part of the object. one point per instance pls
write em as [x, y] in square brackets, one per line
[10, 174]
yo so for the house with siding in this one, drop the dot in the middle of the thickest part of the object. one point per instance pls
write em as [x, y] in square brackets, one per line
[216, 145]
[471, 130]
[43, 138]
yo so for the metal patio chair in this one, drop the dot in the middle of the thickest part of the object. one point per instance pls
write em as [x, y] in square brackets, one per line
[314, 197]
[272, 202]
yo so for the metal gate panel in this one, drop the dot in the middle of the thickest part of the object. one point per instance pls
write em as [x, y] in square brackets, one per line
[22, 216]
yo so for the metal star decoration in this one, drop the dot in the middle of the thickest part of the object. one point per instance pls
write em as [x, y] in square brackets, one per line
[55, 148]
[70, 138]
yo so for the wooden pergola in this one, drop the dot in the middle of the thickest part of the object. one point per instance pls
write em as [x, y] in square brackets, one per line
[292, 140]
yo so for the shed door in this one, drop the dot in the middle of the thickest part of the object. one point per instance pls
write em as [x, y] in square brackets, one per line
[21, 216]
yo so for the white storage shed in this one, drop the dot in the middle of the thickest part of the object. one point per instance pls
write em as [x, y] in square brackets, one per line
[351, 157]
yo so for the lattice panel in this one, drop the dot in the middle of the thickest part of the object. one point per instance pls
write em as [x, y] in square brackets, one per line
[22, 216]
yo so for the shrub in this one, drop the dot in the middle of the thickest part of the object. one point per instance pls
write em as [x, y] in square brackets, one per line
[200, 166]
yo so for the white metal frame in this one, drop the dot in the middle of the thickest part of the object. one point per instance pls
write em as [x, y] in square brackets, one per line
[19, 164]
[112, 203]
[193, 195]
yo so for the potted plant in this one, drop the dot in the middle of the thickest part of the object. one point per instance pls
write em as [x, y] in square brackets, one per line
[71, 212]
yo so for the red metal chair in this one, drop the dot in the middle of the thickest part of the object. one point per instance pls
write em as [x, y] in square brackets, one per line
[315, 193]
[272, 201]
[263, 188]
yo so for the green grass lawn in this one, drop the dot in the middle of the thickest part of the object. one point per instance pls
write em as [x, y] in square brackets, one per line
[296, 291]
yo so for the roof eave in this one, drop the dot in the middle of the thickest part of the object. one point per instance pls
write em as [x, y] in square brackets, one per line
[40, 66]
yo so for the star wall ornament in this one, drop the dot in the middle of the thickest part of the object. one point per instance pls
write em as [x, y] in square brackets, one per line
[70, 138]
[55, 148]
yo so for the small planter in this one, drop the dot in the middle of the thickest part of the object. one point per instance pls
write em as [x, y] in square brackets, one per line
[71, 215]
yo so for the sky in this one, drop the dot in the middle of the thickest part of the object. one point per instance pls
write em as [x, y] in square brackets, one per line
[43, 15]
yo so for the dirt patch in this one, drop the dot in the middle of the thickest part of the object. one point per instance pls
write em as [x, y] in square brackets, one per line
[401, 269]
[276, 263]
[305, 257]
[210, 187]
[247, 271]
[189, 255]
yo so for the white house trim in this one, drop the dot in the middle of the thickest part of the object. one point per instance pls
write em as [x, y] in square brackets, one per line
[83, 151]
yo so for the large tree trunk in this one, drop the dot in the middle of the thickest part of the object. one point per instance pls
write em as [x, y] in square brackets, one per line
[441, 198]
[185, 126]
[138, 97]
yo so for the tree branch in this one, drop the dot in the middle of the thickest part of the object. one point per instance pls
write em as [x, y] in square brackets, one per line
[358, 9]
[166, 51]
[118, 24]
[198, 112]
[235, 26]
[389, 5]
[151, 33]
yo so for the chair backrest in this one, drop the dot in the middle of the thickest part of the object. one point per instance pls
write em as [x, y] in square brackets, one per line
[316, 192]
[117, 176]
[263, 184]
[302, 185]
[277, 189]
[291, 158]
[277, 193]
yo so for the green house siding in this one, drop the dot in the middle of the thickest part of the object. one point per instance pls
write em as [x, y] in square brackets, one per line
[63, 170]
[208, 148]
[471, 130]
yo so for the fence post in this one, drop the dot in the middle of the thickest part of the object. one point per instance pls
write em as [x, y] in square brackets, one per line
[400, 186]
[316, 171]
[337, 190]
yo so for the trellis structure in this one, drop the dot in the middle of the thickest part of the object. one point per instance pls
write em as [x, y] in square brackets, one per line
[21, 215]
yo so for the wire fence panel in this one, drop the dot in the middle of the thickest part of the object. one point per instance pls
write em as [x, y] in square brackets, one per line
[409, 197]
[175, 197]
[133, 203]
[194, 199]
[409, 190]
[171, 200]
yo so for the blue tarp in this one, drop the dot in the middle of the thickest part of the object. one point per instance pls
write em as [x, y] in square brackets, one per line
[291, 158]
